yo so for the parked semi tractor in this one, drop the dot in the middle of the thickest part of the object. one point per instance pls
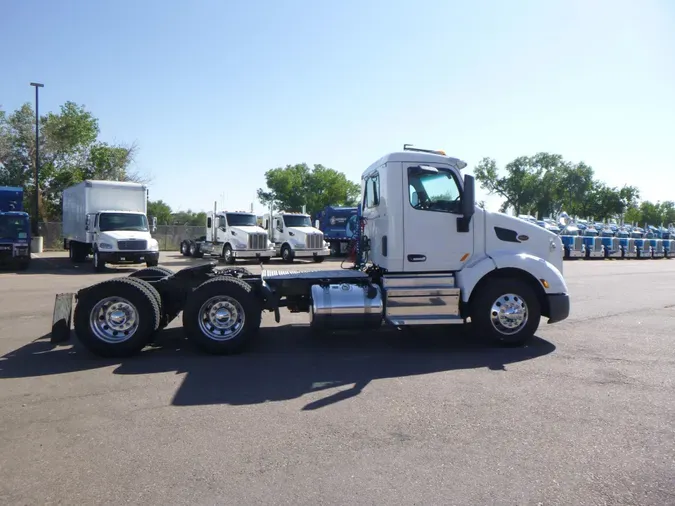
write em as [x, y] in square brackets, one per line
[14, 229]
[294, 236]
[339, 225]
[108, 219]
[231, 235]
[426, 254]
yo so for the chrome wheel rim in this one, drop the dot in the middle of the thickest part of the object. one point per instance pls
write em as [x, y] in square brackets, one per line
[509, 314]
[114, 320]
[228, 254]
[221, 318]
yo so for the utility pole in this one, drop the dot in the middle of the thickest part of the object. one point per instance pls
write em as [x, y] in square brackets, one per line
[36, 211]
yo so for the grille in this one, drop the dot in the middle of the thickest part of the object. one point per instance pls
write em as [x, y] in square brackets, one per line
[257, 241]
[132, 245]
[314, 241]
[5, 250]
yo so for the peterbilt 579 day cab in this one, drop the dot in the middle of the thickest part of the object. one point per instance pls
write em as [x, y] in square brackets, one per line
[294, 236]
[108, 219]
[231, 235]
[425, 255]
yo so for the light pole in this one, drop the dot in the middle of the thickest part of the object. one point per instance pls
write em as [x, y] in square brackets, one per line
[37, 86]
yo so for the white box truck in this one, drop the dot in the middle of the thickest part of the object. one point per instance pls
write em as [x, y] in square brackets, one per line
[108, 219]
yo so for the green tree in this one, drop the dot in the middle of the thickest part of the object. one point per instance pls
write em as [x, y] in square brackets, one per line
[69, 152]
[291, 187]
[160, 210]
[520, 187]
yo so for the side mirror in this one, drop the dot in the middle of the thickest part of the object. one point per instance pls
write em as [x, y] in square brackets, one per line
[316, 224]
[468, 204]
[154, 224]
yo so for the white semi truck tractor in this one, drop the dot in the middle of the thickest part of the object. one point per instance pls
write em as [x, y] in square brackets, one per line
[426, 255]
[108, 220]
[231, 235]
[294, 236]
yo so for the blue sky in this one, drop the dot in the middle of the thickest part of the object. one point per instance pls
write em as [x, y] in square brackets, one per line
[217, 92]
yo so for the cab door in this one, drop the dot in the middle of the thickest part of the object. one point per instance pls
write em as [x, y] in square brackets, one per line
[431, 205]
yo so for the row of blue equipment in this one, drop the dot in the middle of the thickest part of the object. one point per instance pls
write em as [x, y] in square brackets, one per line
[584, 239]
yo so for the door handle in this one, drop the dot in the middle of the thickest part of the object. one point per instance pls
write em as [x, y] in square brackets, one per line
[417, 258]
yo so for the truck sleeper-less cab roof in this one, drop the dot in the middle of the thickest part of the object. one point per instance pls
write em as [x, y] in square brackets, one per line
[415, 156]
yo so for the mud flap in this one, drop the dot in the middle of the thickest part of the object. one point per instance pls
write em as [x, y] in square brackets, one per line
[62, 318]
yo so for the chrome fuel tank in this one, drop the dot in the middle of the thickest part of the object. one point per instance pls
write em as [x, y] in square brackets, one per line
[346, 305]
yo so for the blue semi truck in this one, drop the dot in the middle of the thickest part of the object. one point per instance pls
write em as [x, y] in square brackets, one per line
[14, 229]
[338, 224]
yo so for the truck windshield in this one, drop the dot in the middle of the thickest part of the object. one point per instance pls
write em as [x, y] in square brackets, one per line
[297, 221]
[241, 220]
[123, 221]
[13, 227]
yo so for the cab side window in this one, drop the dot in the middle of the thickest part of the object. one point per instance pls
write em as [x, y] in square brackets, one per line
[434, 191]
[222, 223]
[371, 197]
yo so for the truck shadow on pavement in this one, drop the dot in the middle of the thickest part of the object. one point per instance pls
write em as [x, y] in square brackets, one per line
[285, 363]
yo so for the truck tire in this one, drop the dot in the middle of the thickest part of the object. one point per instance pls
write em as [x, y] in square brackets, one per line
[76, 252]
[116, 318]
[152, 263]
[99, 266]
[287, 254]
[494, 297]
[195, 250]
[228, 257]
[152, 273]
[185, 248]
[318, 259]
[222, 316]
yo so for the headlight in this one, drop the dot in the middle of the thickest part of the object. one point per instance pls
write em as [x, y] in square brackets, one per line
[104, 245]
[153, 245]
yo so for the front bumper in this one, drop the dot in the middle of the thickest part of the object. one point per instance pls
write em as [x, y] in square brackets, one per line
[127, 257]
[252, 253]
[14, 253]
[308, 253]
[559, 307]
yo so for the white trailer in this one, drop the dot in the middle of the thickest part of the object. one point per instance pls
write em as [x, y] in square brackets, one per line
[294, 236]
[108, 219]
[230, 236]
[426, 255]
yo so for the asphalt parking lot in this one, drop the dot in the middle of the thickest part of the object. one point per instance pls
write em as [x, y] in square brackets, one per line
[584, 415]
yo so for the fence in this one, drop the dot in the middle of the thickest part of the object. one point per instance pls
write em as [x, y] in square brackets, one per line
[168, 236]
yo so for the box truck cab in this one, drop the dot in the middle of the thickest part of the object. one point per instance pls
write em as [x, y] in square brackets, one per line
[108, 219]
[14, 228]
[294, 236]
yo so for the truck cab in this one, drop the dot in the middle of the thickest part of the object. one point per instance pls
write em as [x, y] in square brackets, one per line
[14, 229]
[294, 236]
[234, 235]
[120, 237]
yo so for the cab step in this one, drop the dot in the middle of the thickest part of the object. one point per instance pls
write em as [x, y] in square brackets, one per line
[421, 299]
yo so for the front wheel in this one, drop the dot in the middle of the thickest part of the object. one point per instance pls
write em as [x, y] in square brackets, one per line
[185, 249]
[318, 259]
[152, 263]
[286, 253]
[99, 265]
[228, 256]
[506, 311]
[222, 315]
